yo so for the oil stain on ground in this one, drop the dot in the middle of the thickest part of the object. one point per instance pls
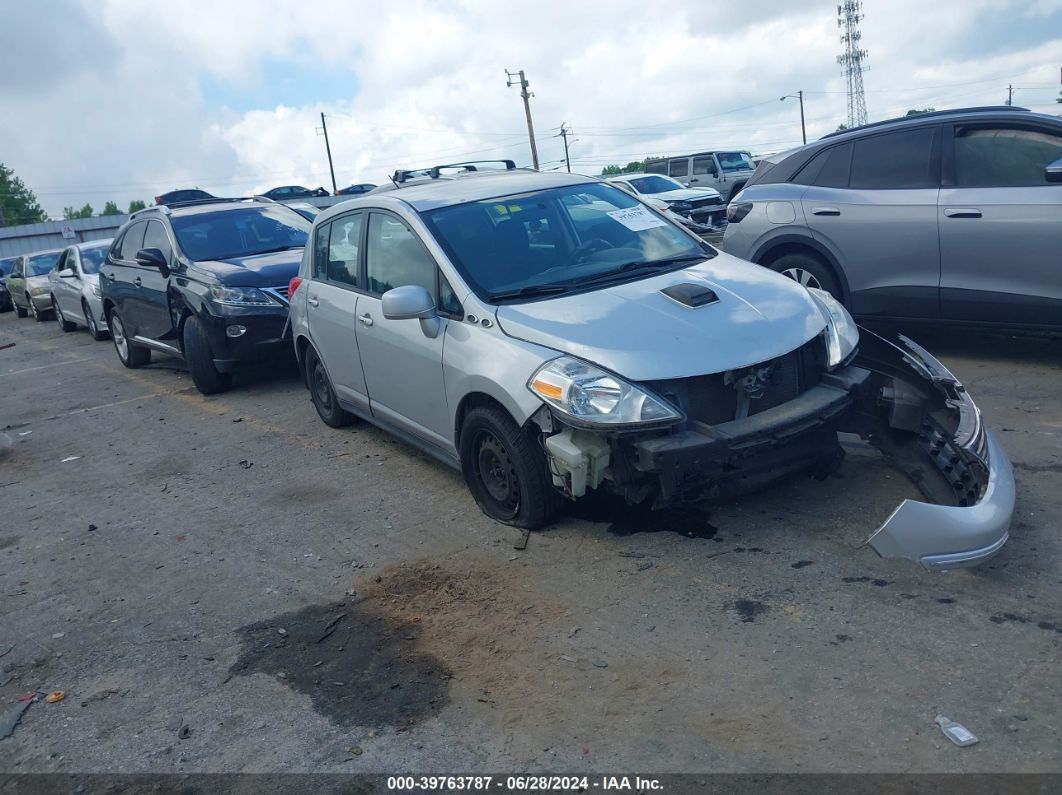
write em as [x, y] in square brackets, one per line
[748, 609]
[358, 666]
[626, 520]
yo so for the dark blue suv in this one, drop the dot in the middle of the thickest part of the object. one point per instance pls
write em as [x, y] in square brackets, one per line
[206, 281]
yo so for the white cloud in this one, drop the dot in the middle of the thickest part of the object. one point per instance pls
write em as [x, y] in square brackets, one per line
[114, 100]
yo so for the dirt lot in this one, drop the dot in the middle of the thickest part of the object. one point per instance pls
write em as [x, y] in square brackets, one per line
[224, 584]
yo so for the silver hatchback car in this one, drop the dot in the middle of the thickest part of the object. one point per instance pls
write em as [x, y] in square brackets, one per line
[549, 334]
[952, 217]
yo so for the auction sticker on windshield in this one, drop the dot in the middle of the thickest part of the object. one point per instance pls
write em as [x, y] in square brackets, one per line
[637, 219]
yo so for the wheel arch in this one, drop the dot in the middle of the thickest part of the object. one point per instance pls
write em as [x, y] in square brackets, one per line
[471, 401]
[777, 247]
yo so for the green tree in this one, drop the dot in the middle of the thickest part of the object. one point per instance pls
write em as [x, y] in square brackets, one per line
[842, 127]
[110, 208]
[135, 205]
[633, 167]
[916, 112]
[70, 214]
[18, 205]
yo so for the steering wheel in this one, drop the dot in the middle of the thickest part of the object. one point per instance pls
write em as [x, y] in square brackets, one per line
[590, 246]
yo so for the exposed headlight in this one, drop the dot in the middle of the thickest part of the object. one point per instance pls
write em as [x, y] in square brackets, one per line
[842, 334]
[96, 291]
[680, 205]
[38, 290]
[240, 296]
[591, 396]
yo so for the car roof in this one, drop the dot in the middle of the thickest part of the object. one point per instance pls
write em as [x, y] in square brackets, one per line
[93, 244]
[42, 253]
[629, 177]
[431, 194]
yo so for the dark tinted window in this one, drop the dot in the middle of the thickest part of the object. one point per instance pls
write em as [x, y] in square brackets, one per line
[659, 167]
[679, 167]
[705, 165]
[834, 170]
[1003, 157]
[894, 160]
[395, 257]
[92, 258]
[133, 241]
[343, 244]
[156, 238]
[6, 265]
[239, 233]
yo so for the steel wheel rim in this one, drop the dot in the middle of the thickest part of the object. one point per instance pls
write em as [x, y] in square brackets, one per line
[321, 390]
[803, 277]
[118, 335]
[32, 306]
[495, 471]
[58, 312]
[91, 320]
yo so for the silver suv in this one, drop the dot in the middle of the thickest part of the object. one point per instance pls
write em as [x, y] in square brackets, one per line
[951, 216]
[549, 334]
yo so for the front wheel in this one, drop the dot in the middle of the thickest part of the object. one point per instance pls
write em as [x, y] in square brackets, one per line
[506, 470]
[19, 311]
[64, 324]
[132, 356]
[38, 315]
[200, 358]
[322, 393]
[93, 326]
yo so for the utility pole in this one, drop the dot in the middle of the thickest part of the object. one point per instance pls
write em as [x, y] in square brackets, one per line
[332, 171]
[798, 95]
[1010, 94]
[522, 82]
[564, 134]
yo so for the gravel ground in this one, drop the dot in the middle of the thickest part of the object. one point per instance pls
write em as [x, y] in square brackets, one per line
[226, 584]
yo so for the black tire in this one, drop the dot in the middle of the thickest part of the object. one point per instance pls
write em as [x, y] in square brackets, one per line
[132, 356]
[506, 470]
[20, 311]
[93, 326]
[809, 271]
[323, 395]
[200, 359]
[64, 324]
[39, 316]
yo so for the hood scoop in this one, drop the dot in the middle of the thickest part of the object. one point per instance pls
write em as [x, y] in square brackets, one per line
[691, 295]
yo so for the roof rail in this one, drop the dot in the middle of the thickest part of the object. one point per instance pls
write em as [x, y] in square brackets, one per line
[928, 115]
[434, 172]
[164, 209]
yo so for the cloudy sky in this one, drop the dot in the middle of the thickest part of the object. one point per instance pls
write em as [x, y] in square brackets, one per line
[124, 99]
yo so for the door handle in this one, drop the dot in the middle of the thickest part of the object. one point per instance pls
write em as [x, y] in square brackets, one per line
[312, 301]
[825, 211]
[137, 281]
[365, 320]
[962, 212]
[109, 276]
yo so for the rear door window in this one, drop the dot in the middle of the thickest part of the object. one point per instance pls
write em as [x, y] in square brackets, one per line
[1003, 157]
[679, 167]
[895, 160]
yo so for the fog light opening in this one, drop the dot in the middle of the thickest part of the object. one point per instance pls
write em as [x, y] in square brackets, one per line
[235, 331]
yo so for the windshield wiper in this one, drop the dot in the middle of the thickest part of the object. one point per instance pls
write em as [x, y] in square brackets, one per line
[530, 291]
[637, 266]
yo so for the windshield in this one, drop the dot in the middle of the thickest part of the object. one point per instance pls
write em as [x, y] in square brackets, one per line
[240, 233]
[656, 184]
[42, 263]
[92, 258]
[735, 161]
[556, 240]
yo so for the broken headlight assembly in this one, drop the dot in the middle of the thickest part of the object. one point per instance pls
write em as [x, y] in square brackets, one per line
[588, 395]
[842, 335]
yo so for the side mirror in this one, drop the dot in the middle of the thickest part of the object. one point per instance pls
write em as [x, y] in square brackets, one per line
[1053, 173]
[153, 258]
[412, 302]
[67, 273]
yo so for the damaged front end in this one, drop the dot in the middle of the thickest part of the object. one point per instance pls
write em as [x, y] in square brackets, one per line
[741, 430]
[922, 418]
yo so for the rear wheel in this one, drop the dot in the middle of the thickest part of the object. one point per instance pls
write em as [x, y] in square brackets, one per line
[64, 324]
[132, 356]
[200, 359]
[809, 271]
[322, 393]
[93, 326]
[506, 470]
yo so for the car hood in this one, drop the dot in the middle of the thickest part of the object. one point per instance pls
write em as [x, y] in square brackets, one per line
[637, 332]
[37, 281]
[685, 195]
[260, 270]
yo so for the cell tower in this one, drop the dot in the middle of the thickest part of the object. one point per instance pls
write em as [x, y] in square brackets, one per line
[848, 16]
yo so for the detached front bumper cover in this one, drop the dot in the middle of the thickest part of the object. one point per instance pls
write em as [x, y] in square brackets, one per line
[966, 461]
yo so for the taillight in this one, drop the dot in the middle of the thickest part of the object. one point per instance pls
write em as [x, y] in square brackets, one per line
[735, 212]
[293, 285]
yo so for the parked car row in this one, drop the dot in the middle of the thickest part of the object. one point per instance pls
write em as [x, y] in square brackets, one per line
[549, 334]
[283, 193]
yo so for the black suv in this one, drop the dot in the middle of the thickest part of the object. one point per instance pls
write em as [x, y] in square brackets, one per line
[206, 281]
